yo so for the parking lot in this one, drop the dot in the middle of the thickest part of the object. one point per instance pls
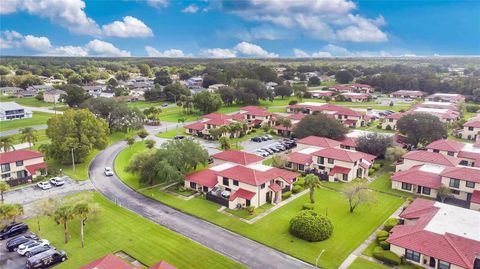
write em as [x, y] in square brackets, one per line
[10, 260]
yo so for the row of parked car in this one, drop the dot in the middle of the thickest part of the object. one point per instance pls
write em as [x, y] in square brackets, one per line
[39, 252]
[54, 181]
[261, 138]
[276, 147]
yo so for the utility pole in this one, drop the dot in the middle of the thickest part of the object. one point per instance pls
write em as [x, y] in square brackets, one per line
[73, 161]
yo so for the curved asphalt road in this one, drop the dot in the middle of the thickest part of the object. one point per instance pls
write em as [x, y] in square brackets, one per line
[237, 247]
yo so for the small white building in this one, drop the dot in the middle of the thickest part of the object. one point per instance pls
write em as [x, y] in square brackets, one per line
[13, 111]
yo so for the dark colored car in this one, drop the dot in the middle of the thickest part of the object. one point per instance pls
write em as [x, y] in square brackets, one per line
[37, 250]
[256, 139]
[12, 244]
[13, 229]
[46, 259]
[179, 137]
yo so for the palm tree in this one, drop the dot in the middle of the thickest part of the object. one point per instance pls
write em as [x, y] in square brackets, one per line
[10, 212]
[6, 144]
[44, 207]
[189, 104]
[215, 133]
[312, 182]
[63, 215]
[234, 128]
[4, 187]
[29, 135]
[83, 210]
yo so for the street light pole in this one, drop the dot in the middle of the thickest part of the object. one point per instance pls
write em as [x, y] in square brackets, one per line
[73, 161]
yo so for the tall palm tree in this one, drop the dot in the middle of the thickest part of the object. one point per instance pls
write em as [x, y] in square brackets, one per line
[63, 215]
[215, 133]
[6, 144]
[10, 212]
[83, 210]
[29, 135]
[312, 182]
[4, 187]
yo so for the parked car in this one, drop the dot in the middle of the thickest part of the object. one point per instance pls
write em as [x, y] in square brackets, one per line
[108, 171]
[57, 181]
[179, 137]
[210, 160]
[27, 247]
[38, 250]
[44, 185]
[164, 104]
[256, 139]
[13, 229]
[268, 150]
[13, 244]
[269, 136]
[46, 259]
[275, 149]
[263, 138]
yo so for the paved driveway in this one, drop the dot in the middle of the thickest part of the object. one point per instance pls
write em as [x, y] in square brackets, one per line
[10, 260]
[251, 147]
[237, 247]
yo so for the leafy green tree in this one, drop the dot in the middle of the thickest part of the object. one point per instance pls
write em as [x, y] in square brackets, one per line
[144, 164]
[150, 143]
[249, 91]
[314, 81]
[10, 212]
[444, 192]
[162, 78]
[422, 128]
[112, 83]
[215, 133]
[312, 182]
[4, 187]
[122, 75]
[374, 143]
[227, 94]
[320, 125]
[225, 143]
[343, 76]
[266, 74]
[62, 216]
[142, 133]
[154, 94]
[130, 140]
[283, 91]
[75, 79]
[145, 70]
[75, 95]
[173, 92]
[29, 135]
[44, 207]
[84, 209]
[285, 122]
[358, 194]
[4, 70]
[6, 143]
[207, 102]
[394, 154]
[79, 130]
[209, 80]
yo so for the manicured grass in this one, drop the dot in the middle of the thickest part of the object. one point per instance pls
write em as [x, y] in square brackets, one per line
[181, 191]
[144, 104]
[172, 114]
[38, 118]
[369, 250]
[41, 137]
[243, 213]
[360, 263]
[351, 229]
[28, 101]
[268, 161]
[117, 229]
[384, 184]
[277, 110]
[172, 133]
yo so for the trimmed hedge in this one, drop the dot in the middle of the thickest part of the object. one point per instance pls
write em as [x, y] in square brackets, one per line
[286, 195]
[382, 236]
[386, 256]
[308, 206]
[310, 226]
[299, 182]
[377, 166]
[390, 223]
[296, 189]
[371, 171]
[384, 245]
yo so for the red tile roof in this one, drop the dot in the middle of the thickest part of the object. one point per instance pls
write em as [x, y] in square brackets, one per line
[236, 156]
[463, 173]
[296, 116]
[34, 167]
[355, 95]
[275, 187]
[431, 157]
[359, 85]
[256, 178]
[395, 116]
[242, 193]
[219, 121]
[286, 175]
[475, 123]
[300, 158]
[338, 170]
[109, 261]
[446, 145]
[475, 197]
[256, 111]
[317, 141]
[350, 122]
[349, 142]
[217, 116]
[238, 116]
[343, 155]
[469, 155]
[205, 177]
[199, 126]
[417, 177]
[162, 265]
[19, 155]
[409, 93]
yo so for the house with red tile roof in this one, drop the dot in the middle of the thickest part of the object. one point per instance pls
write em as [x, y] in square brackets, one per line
[464, 182]
[361, 88]
[446, 97]
[420, 157]
[256, 114]
[407, 94]
[471, 129]
[355, 96]
[21, 165]
[437, 235]
[422, 180]
[469, 154]
[316, 142]
[111, 261]
[240, 180]
[287, 131]
[321, 94]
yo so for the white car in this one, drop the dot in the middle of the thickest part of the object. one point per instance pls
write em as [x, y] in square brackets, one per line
[57, 181]
[24, 248]
[44, 185]
[108, 171]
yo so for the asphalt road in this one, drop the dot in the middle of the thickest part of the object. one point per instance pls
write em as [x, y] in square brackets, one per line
[237, 247]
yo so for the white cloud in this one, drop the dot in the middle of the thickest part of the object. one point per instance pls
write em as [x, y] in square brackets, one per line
[190, 9]
[171, 53]
[70, 51]
[253, 50]
[319, 19]
[8, 39]
[300, 53]
[35, 43]
[331, 50]
[218, 53]
[129, 27]
[158, 3]
[105, 49]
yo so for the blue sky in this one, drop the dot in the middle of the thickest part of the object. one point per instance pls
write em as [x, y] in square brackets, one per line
[247, 28]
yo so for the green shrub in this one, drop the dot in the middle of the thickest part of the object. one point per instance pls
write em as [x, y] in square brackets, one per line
[384, 245]
[390, 223]
[299, 182]
[371, 171]
[310, 226]
[296, 189]
[377, 166]
[379, 126]
[388, 128]
[293, 102]
[286, 195]
[308, 206]
[251, 210]
[382, 235]
[387, 256]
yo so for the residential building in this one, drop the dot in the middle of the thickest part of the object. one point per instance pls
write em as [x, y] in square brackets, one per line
[195, 82]
[420, 157]
[40, 88]
[10, 90]
[209, 121]
[12, 111]
[407, 94]
[469, 154]
[53, 96]
[235, 156]
[25, 94]
[446, 97]
[21, 165]
[94, 90]
[471, 129]
[361, 88]
[240, 181]
[321, 94]
[347, 116]
[256, 114]
[355, 96]
[287, 131]
[111, 261]
[340, 88]
[437, 235]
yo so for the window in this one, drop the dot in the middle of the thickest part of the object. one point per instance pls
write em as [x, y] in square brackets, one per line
[19, 163]
[412, 255]
[450, 153]
[345, 177]
[5, 167]
[454, 183]
[7, 175]
[235, 182]
[426, 191]
[321, 160]
[288, 164]
[330, 160]
[262, 186]
[443, 265]
[470, 184]
[464, 163]
[470, 128]
[301, 167]
[193, 185]
[436, 151]
[225, 181]
[406, 186]
[456, 192]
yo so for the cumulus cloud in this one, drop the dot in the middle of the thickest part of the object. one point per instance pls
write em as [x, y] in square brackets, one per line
[331, 50]
[36, 43]
[190, 9]
[264, 32]
[218, 53]
[105, 49]
[320, 19]
[171, 53]
[158, 3]
[249, 49]
[300, 53]
[129, 27]
[8, 39]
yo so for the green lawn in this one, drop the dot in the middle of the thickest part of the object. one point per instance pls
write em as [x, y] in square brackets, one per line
[384, 184]
[29, 101]
[38, 118]
[361, 263]
[172, 114]
[172, 133]
[351, 229]
[369, 250]
[144, 104]
[117, 229]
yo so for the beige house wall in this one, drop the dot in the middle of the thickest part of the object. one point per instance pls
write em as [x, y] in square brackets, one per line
[396, 185]
[14, 168]
[424, 259]
[472, 133]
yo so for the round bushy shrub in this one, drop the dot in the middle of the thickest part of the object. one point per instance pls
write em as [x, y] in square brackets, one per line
[293, 102]
[371, 171]
[286, 195]
[296, 189]
[310, 226]
[382, 235]
[390, 223]
[308, 206]
[384, 245]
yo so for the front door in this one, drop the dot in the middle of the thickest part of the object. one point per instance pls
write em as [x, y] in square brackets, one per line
[248, 202]
[432, 262]
[359, 173]
[269, 197]
[469, 197]
[419, 189]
